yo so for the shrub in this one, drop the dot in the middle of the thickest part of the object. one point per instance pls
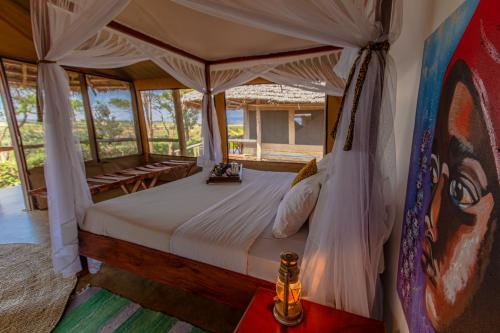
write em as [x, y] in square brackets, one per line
[8, 174]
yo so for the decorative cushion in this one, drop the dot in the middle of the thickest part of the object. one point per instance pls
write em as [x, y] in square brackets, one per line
[307, 171]
[296, 206]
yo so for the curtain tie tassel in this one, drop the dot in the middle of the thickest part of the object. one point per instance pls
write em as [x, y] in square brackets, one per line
[360, 80]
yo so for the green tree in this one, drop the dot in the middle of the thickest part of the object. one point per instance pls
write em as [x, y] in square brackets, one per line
[8, 173]
[106, 124]
[191, 116]
[25, 102]
[158, 105]
[76, 104]
[120, 103]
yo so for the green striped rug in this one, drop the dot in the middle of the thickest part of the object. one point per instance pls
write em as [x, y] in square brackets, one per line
[98, 310]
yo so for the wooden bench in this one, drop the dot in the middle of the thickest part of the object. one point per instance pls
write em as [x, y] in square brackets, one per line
[132, 179]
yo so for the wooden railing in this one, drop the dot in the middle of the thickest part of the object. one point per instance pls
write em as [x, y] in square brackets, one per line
[6, 148]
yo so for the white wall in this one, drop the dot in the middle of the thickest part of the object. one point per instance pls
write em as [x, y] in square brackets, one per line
[420, 19]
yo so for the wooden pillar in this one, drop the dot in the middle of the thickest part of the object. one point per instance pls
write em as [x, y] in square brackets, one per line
[94, 152]
[142, 124]
[259, 133]
[246, 122]
[332, 114]
[179, 120]
[137, 113]
[220, 109]
[291, 127]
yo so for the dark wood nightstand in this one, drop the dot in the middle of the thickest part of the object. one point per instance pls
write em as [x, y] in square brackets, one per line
[317, 318]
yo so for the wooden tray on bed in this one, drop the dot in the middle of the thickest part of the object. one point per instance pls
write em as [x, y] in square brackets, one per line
[226, 179]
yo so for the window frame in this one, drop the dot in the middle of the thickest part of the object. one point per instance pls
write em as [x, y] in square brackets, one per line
[180, 131]
[93, 142]
[90, 115]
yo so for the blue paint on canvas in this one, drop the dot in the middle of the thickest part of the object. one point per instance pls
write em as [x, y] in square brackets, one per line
[438, 51]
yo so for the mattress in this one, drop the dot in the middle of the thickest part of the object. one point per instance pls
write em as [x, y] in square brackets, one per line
[149, 218]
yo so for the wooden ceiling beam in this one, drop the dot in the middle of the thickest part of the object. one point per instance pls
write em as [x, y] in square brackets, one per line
[139, 35]
[277, 55]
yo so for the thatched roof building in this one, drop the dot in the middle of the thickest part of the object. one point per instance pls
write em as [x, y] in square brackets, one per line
[264, 94]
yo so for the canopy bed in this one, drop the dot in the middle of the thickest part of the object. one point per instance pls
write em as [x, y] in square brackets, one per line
[343, 249]
[158, 219]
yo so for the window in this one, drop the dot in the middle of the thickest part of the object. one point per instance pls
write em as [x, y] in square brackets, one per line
[114, 121]
[173, 121]
[272, 122]
[80, 120]
[9, 175]
[22, 80]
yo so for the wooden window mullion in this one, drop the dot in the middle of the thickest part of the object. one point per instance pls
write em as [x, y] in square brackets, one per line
[137, 125]
[89, 118]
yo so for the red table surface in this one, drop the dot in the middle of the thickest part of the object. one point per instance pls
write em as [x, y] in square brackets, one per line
[258, 318]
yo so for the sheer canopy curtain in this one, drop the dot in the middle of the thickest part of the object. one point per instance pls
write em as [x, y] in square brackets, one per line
[353, 216]
[310, 72]
[191, 73]
[74, 33]
[55, 35]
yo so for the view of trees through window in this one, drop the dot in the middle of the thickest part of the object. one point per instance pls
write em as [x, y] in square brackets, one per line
[110, 104]
[114, 121]
[272, 122]
[173, 125]
[9, 175]
[22, 81]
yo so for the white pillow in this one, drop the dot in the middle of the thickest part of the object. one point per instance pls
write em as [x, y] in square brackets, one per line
[296, 207]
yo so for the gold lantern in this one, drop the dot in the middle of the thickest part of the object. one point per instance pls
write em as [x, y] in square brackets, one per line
[287, 308]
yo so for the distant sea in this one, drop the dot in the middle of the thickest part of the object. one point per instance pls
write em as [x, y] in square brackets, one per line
[234, 117]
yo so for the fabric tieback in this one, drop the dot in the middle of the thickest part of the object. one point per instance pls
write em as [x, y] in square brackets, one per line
[382, 46]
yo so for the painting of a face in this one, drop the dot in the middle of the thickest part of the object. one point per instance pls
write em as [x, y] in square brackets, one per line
[449, 259]
[460, 221]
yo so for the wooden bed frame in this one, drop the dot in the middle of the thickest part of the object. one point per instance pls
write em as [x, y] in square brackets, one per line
[216, 283]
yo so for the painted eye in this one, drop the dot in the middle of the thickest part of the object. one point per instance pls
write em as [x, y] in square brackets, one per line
[434, 169]
[463, 192]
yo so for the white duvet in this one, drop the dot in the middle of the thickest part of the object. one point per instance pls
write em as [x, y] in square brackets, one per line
[223, 234]
[215, 224]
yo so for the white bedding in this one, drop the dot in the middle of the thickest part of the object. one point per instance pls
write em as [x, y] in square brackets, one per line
[149, 218]
[223, 234]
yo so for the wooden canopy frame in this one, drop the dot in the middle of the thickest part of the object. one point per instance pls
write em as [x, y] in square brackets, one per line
[206, 280]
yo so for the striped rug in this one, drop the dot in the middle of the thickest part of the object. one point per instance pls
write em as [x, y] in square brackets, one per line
[98, 310]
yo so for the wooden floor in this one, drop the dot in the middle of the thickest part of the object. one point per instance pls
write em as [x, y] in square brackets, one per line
[19, 226]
